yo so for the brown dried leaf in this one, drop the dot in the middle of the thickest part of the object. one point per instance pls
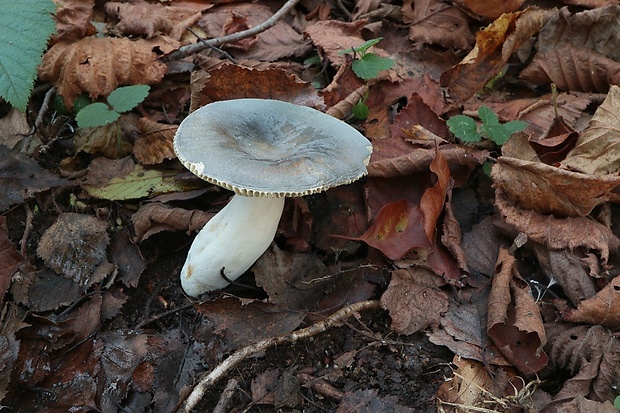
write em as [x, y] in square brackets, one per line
[105, 140]
[494, 46]
[558, 233]
[573, 69]
[435, 23]
[246, 323]
[10, 324]
[73, 20]
[100, 65]
[280, 41]
[292, 280]
[332, 37]
[597, 151]
[591, 354]
[145, 19]
[125, 254]
[550, 190]
[21, 178]
[10, 260]
[234, 81]
[414, 300]
[514, 321]
[481, 245]
[74, 246]
[602, 309]
[14, 128]
[153, 218]
[464, 331]
[154, 144]
[492, 9]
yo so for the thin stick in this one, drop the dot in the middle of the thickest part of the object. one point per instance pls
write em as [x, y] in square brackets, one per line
[217, 373]
[231, 38]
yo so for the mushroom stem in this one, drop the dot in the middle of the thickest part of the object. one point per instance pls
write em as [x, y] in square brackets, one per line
[230, 243]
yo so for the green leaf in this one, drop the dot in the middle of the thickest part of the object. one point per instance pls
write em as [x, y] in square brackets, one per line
[361, 49]
[369, 66]
[25, 27]
[497, 132]
[487, 116]
[515, 126]
[464, 128]
[617, 403]
[360, 110]
[126, 98]
[96, 114]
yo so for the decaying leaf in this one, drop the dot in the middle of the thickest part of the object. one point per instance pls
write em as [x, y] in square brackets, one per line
[155, 217]
[494, 46]
[154, 144]
[549, 190]
[100, 65]
[514, 321]
[369, 401]
[294, 280]
[73, 20]
[75, 246]
[414, 300]
[431, 18]
[597, 150]
[21, 178]
[601, 309]
[10, 260]
[234, 81]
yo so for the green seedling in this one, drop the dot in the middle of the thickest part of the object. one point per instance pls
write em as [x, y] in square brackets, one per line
[617, 403]
[119, 101]
[466, 129]
[367, 65]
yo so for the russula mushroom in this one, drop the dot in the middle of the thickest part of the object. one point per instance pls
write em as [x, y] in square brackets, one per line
[264, 151]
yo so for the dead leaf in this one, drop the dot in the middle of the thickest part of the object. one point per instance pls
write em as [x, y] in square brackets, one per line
[153, 218]
[292, 280]
[434, 198]
[492, 9]
[549, 190]
[494, 46]
[514, 321]
[601, 309]
[591, 356]
[244, 323]
[481, 245]
[233, 81]
[73, 20]
[145, 19]
[414, 300]
[436, 23]
[125, 254]
[558, 233]
[558, 140]
[14, 128]
[277, 43]
[21, 178]
[154, 144]
[10, 260]
[11, 321]
[75, 245]
[597, 150]
[100, 65]
[111, 140]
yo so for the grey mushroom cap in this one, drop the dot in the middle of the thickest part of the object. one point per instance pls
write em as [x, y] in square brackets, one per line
[261, 147]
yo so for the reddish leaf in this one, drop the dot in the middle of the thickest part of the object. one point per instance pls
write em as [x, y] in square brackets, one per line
[514, 322]
[603, 308]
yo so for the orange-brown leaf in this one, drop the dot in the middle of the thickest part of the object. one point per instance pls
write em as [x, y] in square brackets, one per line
[154, 144]
[100, 65]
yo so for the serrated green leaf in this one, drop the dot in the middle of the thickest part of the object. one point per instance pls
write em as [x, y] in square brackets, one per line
[125, 98]
[487, 116]
[369, 66]
[515, 126]
[96, 114]
[139, 183]
[361, 49]
[464, 128]
[360, 110]
[25, 27]
[497, 132]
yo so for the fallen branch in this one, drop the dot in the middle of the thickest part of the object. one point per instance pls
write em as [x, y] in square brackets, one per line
[231, 38]
[218, 372]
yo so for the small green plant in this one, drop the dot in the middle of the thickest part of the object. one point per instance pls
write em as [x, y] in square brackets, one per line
[121, 100]
[617, 403]
[466, 129]
[367, 65]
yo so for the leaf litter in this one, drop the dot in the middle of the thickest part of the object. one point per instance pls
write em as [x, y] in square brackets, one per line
[500, 289]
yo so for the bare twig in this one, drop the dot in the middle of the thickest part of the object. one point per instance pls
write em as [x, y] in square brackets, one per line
[231, 38]
[218, 372]
[226, 397]
[23, 245]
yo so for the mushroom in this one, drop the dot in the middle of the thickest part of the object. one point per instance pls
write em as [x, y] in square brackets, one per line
[264, 151]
